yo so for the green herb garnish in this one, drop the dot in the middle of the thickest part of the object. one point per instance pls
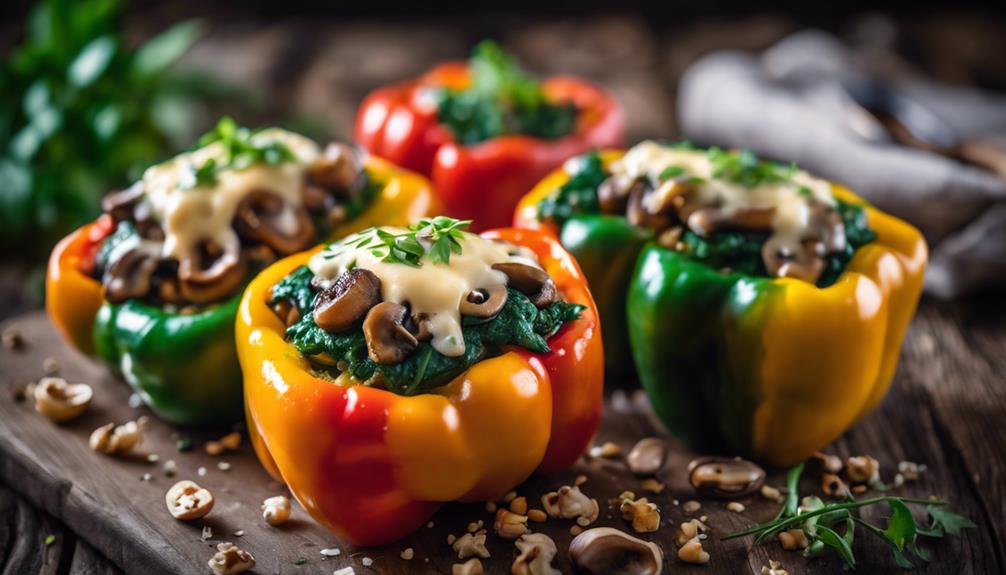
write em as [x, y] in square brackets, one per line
[671, 172]
[502, 99]
[746, 169]
[434, 238]
[241, 149]
[822, 521]
[579, 194]
[49, 540]
[518, 323]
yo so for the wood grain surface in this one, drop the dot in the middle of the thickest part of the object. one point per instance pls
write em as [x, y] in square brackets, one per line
[945, 410]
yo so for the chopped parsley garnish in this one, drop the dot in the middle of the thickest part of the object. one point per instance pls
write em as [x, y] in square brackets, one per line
[502, 99]
[434, 238]
[518, 323]
[240, 150]
[746, 169]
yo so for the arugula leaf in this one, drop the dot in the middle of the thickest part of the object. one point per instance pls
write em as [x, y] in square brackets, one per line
[502, 99]
[947, 521]
[901, 524]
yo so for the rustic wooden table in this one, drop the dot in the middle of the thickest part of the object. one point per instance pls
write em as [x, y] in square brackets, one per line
[946, 409]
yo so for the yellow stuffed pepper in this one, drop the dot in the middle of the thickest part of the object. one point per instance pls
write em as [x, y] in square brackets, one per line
[762, 308]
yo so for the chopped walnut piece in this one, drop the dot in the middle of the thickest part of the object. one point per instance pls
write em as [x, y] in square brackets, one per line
[793, 539]
[471, 545]
[645, 516]
[537, 551]
[276, 510]
[186, 500]
[407, 554]
[833, 486]
[773, 568]
[569, 502]
[509, 525]
[231, 560]
[607, 450]
[471, 567]
[652, 485]
[519, 505]
[910, 470]
[475, 526]
[689, 530]
[692, 552]
[112, 439]
[830, 463]
[862, 469]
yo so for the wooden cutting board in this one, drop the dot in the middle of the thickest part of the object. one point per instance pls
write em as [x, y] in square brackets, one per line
[116, 507]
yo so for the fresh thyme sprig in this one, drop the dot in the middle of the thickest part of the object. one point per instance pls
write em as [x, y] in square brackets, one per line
[435, 238]
[241, 149]
[819, 521]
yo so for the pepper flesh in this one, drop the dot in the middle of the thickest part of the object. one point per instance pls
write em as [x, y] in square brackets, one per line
[484, 181]
[374, 466]
[184, 365]
[773, 369]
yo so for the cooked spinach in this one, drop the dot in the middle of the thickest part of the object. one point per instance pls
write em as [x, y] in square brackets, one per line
[579, 194]
[518, 323]
[502, 99]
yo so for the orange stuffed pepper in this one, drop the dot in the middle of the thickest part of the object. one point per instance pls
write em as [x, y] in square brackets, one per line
[484, 132]
[402, 368]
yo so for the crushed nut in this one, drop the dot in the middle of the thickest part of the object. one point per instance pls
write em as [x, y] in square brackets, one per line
[833, 486]
[580, 480]
[830, 463]
[910, 470]
[863, 469]
[207, 534]
[407, 554]
[692, 552]
[519, 505]
[569, 502]
[537, 515]
[60, 401]
[170, 468]
[50, 366]
[859, 489]
[899, 480]
[771, 493]
[367, 561]
[231, 560]
[645, 516]
[509, 525]
[537, 551]
[475, 526]
[231, 441]
[276, 510]
[510, 496]
[112, 439]
[13, 339]
[689, 530]
[186, 500]
[773, 568]
[691, 506]
[471, 567]
[451, 538]
[652, 485]
[213, 448]
[607, 450]
[647, 456]
[345, 571]
[471, 545]
[793, 539]
[735, 506]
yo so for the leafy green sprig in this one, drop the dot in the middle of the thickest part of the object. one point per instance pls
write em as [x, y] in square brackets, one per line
[820, 521]
[434, 238]
[744, 168]
[241, 149]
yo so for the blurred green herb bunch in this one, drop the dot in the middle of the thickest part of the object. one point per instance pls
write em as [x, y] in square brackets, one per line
[82, 113]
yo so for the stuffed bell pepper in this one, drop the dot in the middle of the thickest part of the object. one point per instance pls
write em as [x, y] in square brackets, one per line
[401, 368]
[152, 286]
[763, 308]
[485, 132]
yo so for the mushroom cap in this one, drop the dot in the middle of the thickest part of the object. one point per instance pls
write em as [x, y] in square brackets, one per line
[342, 305]
[532, 281]
[203, 284]
[388, 340]
[725, 477]
[129, 276]
[609, 551]
[259, 218]
[484, 302]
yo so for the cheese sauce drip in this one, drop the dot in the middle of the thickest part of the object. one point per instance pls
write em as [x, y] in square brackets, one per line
[435, 289]
[792, 198]
[191, 216]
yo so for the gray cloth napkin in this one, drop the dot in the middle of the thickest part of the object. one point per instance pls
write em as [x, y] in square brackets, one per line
[791, 104]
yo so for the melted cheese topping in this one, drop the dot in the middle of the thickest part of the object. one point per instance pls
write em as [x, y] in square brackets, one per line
[435, 289]
[191, 216]
[791, 221]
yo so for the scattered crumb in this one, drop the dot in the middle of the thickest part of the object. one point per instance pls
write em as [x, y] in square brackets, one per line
[735, 506]
[429, 525]
[575, 530]
[475, 526]
[407, 554]
[607, 450]
[146, 477]
[170, 468]
[899, 480]
[345, 571]
[367, 561]
[223, 466]
[207, 533]
[50, 366]
[13, 339]
[510, 496]
[331, 552]
[580, 480]
[773, 568]
[491, 506]
[201, 472]
[153, 458]
[652, 485]
[770, 493]
[135, 401]
[239, 533]
[691, 506]
[910, 470]
[451, 539]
